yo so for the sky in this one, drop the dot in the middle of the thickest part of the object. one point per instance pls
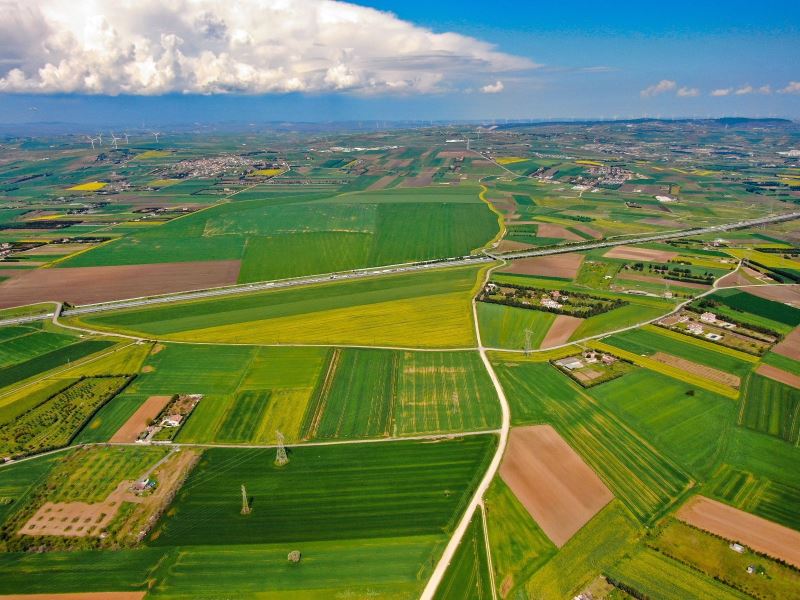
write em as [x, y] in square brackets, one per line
[153, 62]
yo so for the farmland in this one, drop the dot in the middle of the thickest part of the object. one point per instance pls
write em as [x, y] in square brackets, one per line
[772, 408]
[320, 499]
[377, 384]
[644, 480]
[58, 419]
[377, 393]
[423, 310]
[468, 575]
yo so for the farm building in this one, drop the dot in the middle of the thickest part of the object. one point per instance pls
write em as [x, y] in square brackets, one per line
[571, 363]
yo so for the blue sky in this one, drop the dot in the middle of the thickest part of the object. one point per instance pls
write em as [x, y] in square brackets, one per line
[511, 60]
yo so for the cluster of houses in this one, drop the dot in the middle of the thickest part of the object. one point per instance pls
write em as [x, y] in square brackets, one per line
[696, 327]
[589, 357]
[551, 300]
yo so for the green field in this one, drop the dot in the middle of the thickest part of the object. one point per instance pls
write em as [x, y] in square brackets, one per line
[414, 489]
[287, 239]
[368, 393]
[771, 407]
[646, 481]
[284, 377]
[468, 573]
[24, 342]
[690, 429]
[18, 480]
[504, 326]
[649, 340]
[758, 475]
[58, 357]
[657, 576]
[748, 303]
[379, 568]
[519, 546]
[430, 309]
[599, 544]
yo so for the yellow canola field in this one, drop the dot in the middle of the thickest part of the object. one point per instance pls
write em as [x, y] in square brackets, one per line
[91, 186]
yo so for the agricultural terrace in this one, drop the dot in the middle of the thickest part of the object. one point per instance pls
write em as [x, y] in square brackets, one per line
[425, 310]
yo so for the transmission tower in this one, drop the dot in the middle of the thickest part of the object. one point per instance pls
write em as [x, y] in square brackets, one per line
[280, 456]
[245, 503]
[528, 334]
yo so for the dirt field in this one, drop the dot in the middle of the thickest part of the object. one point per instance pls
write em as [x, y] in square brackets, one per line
[85, 285]
[697, 369]
[788, 294]
[779, 375]
[736, 525]
[77, 596]
[451, 154]
[78, 519]
[552, 482]
[633, 253]
[624, 276]
[558, 265]
[140, 419]
[382, 182]
[559, 332]
[790, 346]
[550, 230]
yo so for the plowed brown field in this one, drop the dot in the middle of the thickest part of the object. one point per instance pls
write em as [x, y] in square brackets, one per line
[552, 482]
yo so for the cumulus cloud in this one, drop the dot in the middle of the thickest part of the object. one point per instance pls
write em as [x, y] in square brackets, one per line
[687, 92]
[722, 92]
[744, 90]
[665, 85]
[493, 88]
[149, 47]
[792, 88]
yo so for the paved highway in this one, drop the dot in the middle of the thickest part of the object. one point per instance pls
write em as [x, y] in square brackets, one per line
[392, 269]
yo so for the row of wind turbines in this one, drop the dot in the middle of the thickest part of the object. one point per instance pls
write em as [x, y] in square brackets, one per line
[115, 139]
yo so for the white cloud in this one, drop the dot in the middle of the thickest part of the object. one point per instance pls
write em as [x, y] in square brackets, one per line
[151, 47]
[744, 90]
[493, 88]
[792, 88]
[722, 92]
[764, 89]
[687, 92]
[665, 85]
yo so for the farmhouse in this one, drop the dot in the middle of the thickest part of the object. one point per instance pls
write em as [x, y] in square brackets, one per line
[708, 317]
[172, 421]
[695, 328]
[550, 303]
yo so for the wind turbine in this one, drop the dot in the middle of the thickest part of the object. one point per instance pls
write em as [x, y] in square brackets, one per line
[114, 140]
[126, 138]
[156, 134]
[91, 140]
[100, 137]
